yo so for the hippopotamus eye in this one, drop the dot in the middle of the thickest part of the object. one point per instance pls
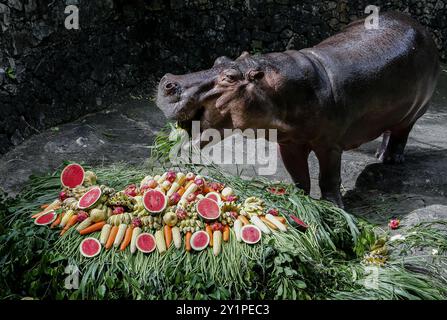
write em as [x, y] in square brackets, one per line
[231, 75]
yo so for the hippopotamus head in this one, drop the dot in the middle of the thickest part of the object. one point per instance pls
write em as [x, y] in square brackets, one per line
[232, 94]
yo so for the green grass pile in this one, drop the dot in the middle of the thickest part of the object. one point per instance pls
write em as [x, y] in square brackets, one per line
[325, 262]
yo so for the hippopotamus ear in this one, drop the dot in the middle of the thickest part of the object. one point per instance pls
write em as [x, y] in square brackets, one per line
[221, 60]
[243, 55]
[253, 75]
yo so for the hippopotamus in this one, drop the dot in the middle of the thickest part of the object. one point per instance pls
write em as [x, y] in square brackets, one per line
[345, 91]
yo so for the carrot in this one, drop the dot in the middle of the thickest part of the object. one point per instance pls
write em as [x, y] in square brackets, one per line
[70, 223]
[188, 241]
[127, 238]
[57, 221]
[44, 206]
[168, 235]
[226, 233]
[209, 230]
[181, 191]
[207, 189]
[94, 227]
[267, 222]
[112, 236]
[281, 219]
[244, 220]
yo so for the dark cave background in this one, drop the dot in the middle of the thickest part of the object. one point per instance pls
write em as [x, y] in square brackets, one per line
[50, 75]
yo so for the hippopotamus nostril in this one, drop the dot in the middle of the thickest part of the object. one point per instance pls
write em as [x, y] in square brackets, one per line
[170, 87]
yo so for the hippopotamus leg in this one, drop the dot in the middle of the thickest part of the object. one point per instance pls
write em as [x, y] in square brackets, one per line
[329, 160]
[295, 159]
[393, 145]
[396, 146]
[382, 148]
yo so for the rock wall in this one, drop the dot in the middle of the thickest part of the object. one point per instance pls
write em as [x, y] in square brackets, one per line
[50, 75]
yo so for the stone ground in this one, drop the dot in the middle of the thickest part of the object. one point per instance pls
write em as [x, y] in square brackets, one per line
[124, 132]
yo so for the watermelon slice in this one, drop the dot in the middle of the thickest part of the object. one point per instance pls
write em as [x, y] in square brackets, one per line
[72, 175]
[250, 234]
[90, 198]
[199, 240]
[46, 218]
[300, 224]
[146, 242]
[90, 247]
[214, 195]
[154, 201]
[208, 209]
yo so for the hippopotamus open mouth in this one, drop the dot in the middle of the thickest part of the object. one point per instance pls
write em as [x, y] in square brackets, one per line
[219, 97]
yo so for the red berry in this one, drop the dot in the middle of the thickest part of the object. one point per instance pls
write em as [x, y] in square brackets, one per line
[152, 184]
[174, 198]
[181, 213]
[394, 224]
[233, 214]
[63, 195]
[136, 222]
[191, 197]
[216, 226]
[131, 190]
[170, 176]
[82, 215]
[216, 186]
[199, 182]
[118, 210]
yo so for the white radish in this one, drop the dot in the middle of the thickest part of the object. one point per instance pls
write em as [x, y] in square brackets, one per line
[261, 225]
[105, 232]
[176, 237]
[120, 235]
[276, 222]
[133, 242]
[237, 229]
[217, 242]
